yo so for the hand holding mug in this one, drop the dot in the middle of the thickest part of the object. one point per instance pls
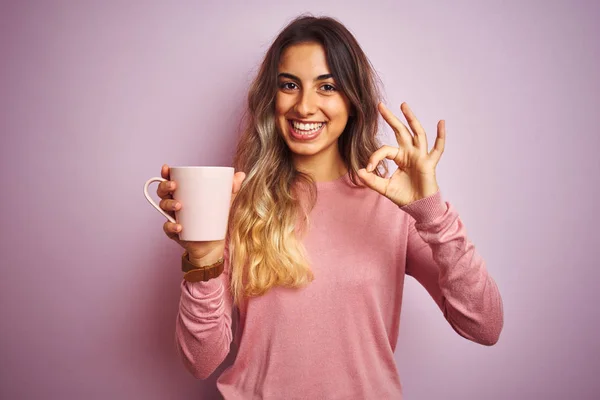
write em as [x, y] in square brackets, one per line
[196, 202]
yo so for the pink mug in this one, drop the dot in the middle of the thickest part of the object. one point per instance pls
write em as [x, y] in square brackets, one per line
[205, 197]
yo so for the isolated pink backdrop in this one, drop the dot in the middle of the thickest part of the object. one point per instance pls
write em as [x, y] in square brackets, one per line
[96, 96]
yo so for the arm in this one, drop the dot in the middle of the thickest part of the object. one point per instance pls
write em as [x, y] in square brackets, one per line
[203, 328]
[446, 263]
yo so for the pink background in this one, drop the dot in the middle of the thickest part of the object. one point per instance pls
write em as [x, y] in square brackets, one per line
[95, 96]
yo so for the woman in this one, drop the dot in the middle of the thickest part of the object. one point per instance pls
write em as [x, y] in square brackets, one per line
[320, 239]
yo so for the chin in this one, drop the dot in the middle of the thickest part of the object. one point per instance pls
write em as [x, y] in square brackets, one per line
[308, 148]
[303, 150]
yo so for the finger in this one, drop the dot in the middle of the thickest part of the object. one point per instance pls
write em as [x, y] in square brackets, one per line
[165, 171]
[165, 189]
[389, 152]
[170, 205]
[420, 137]
[172, 230]
[238, 179]
[403, 135]
[440, 141]
[373, 181]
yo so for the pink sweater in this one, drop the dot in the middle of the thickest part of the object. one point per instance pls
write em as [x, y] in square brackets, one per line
[335, 339]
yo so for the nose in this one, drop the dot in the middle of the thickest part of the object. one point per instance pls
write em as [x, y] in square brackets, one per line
[307, 103]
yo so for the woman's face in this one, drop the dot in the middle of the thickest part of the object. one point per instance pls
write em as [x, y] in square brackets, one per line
[310, 111]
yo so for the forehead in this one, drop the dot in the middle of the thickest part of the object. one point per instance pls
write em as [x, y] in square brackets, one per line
[304, 59]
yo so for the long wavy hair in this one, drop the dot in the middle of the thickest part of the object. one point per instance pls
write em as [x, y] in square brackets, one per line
[268, 215]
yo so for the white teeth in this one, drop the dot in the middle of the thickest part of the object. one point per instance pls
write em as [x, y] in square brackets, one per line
[306, 128]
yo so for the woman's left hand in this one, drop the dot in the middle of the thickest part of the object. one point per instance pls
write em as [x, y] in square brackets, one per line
[415, 177]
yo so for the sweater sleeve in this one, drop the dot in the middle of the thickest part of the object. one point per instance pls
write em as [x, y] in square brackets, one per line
[446, 263]
[203, 330]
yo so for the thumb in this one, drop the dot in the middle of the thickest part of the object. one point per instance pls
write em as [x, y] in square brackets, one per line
[238, 178]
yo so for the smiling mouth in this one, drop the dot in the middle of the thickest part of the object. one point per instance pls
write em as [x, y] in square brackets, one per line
[305, 132]
[306, 128]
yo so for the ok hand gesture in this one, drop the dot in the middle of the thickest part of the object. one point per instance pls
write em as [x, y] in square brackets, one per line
[415, 177]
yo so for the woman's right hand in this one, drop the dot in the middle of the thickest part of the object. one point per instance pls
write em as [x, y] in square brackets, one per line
[200, 253]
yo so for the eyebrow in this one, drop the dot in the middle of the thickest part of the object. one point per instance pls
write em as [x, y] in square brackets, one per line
[290, 76]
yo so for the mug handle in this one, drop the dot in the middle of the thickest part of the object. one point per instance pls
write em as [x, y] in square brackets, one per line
[152, 202]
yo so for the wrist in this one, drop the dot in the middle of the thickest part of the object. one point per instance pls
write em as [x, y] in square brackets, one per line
[207, 259]
[200, 272]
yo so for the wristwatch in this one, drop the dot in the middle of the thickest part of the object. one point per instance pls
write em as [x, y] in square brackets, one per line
[194, 273]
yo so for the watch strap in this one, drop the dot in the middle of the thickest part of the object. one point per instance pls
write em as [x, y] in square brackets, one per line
[194, 273]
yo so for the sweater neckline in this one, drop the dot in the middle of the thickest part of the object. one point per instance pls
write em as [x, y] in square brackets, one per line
[343, 180]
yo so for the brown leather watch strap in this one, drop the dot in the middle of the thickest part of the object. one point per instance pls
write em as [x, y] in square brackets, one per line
[203, 275]
[194, 273]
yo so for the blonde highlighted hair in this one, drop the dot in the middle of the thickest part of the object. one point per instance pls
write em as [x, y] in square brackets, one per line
[271, 211]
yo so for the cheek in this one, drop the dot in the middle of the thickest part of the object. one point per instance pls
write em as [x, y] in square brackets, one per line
[278, 104]
[337, 109]
[282, 105]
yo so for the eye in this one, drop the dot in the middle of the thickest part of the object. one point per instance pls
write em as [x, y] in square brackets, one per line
[288, 86]
[328, 88]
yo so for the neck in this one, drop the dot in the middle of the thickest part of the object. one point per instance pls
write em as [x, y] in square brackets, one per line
[321, 167]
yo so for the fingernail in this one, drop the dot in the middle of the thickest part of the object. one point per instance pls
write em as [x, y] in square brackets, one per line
[171, 185]
[176, 205]
[177, 228]
[369, 167]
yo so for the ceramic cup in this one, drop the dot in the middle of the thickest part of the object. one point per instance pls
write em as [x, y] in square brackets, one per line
[205, 197]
